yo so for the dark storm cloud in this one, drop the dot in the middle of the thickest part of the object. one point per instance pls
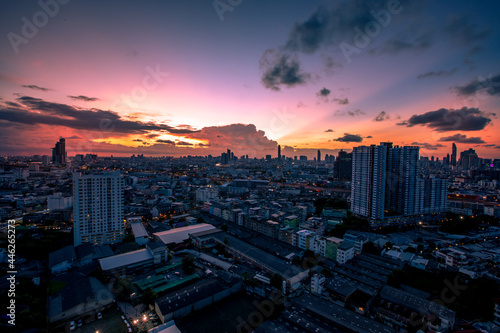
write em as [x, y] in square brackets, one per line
[331, 25]
[84, 98]
[426, 145]
[281, 69]
[490, 86]
[464, 32]
[464, 119]
[350, 138]
[461, 138]
[35, 87]
[35, 111]
[437, 74]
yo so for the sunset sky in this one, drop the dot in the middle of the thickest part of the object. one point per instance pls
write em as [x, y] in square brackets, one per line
[196, 77]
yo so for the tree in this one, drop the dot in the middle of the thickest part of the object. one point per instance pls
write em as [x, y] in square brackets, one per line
[326, 272]
[276, 281]
[149, 297]
[129, 238]
[123, 288]
[411, 250]
[188, 265]
[308, 254]
[370, 248]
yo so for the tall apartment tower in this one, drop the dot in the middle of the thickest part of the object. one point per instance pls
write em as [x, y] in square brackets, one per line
[368, 181]
[453, 154]
[98, 208]
[342, 167]
[384, 181]
[402, 180]
[59, 152]
[279, 153]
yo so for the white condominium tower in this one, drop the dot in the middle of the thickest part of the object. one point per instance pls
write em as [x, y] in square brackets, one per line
[98, 208]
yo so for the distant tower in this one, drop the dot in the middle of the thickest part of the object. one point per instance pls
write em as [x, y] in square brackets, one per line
[454, 154]
[59, 152]
[279, 153]
[319, 155]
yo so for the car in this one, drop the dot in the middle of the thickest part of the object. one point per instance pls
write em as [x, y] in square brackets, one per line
[80, 323]
[123, 318]
[72, 325]
[129, 330]
[99, 315]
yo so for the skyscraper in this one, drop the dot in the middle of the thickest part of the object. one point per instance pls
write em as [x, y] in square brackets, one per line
[98, 208]
[453, 154]
[342, 167]
[469, 159]
[319, 155]
[384, 183]
[59, 152]
[279, 153]
[401, 179]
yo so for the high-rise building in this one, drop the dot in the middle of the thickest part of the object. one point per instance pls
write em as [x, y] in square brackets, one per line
[368, 181]
[319, 155]
[453, 154]
[59, 152]
[342, 167]
[279, 153]
[98, 208]
[385, 185]
[224, 158]
[469, 159]
[431, 195]
[402, 163]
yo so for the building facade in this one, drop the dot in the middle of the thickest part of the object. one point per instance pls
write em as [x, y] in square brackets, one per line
[98, 208]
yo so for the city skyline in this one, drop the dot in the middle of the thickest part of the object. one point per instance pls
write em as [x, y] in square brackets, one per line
[182, 79]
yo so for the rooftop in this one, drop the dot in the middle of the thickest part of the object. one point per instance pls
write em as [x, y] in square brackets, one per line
[125, 259]
[179, 235]
[139, 230]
